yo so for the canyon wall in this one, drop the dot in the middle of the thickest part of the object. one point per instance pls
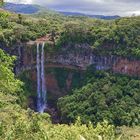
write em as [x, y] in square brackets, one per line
[65, 67]
[77, 57]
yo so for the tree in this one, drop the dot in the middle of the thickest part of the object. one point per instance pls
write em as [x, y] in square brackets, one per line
[110, 97]
[8, 83]
[20, 18]
[1, 2]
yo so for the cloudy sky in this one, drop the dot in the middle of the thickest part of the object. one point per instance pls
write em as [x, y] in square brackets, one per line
[103, 7]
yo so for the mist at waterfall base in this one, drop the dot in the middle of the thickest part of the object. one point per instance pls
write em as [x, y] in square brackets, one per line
[41, 88]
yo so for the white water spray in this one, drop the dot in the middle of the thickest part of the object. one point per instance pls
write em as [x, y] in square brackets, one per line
[41, 88]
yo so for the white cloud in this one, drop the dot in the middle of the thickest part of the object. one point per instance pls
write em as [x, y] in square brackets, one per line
[20, 1]
[106, 7]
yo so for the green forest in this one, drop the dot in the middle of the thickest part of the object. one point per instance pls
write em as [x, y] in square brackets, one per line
[121, 34]
[100, 105]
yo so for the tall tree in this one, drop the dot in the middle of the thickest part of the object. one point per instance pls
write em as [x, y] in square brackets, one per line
[1, 2]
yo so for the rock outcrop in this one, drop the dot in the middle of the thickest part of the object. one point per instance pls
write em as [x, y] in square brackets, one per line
[74, 58]
[77, 57]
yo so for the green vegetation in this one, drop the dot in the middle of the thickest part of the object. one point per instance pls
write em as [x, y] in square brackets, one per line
[1, 2]
[114, 37]
[16, 123]
[16, 28]
[101, 95]
[114, 98]
[117, 37]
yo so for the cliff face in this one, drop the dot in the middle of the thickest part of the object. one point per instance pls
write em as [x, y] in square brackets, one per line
[126, 66]
[77, 57]
[59, 82]
[65, 67]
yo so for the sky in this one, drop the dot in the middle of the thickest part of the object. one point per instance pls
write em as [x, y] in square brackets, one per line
[95, 7]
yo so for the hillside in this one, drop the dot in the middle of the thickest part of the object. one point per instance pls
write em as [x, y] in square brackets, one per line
[91, 16]
[32, 9]
[121, 36]
[21, 8]
[79, 72]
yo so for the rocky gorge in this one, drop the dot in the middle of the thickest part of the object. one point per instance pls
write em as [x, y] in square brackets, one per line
[68, 63]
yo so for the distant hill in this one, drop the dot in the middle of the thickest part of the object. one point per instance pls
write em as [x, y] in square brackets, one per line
[32, 9]
[21, 8]
[92, 16]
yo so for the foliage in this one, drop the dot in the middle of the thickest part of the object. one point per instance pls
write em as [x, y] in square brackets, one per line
[8, 83]
[36, 127]
[1, 2]
[105, 96]
[129, 133]
[114, 37]
[16, 123]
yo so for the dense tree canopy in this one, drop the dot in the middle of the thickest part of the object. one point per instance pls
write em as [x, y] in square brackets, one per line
[16, 123]
[105, 96]
[122, 36]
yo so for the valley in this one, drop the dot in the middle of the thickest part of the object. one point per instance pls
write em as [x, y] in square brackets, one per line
[69, 77]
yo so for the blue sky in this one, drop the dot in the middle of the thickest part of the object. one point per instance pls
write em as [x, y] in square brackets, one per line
[103, 7]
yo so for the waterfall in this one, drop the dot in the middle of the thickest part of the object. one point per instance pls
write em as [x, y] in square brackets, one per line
[43, 78]
[41, 88]
[38, 80]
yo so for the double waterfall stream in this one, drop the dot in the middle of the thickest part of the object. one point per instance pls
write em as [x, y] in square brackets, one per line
[41, 87]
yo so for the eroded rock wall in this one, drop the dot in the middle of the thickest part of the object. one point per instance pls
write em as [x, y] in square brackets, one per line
[78, 57]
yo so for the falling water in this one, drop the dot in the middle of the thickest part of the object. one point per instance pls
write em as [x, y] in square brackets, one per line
[41, 89]
[43, 78]
[38, 80]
